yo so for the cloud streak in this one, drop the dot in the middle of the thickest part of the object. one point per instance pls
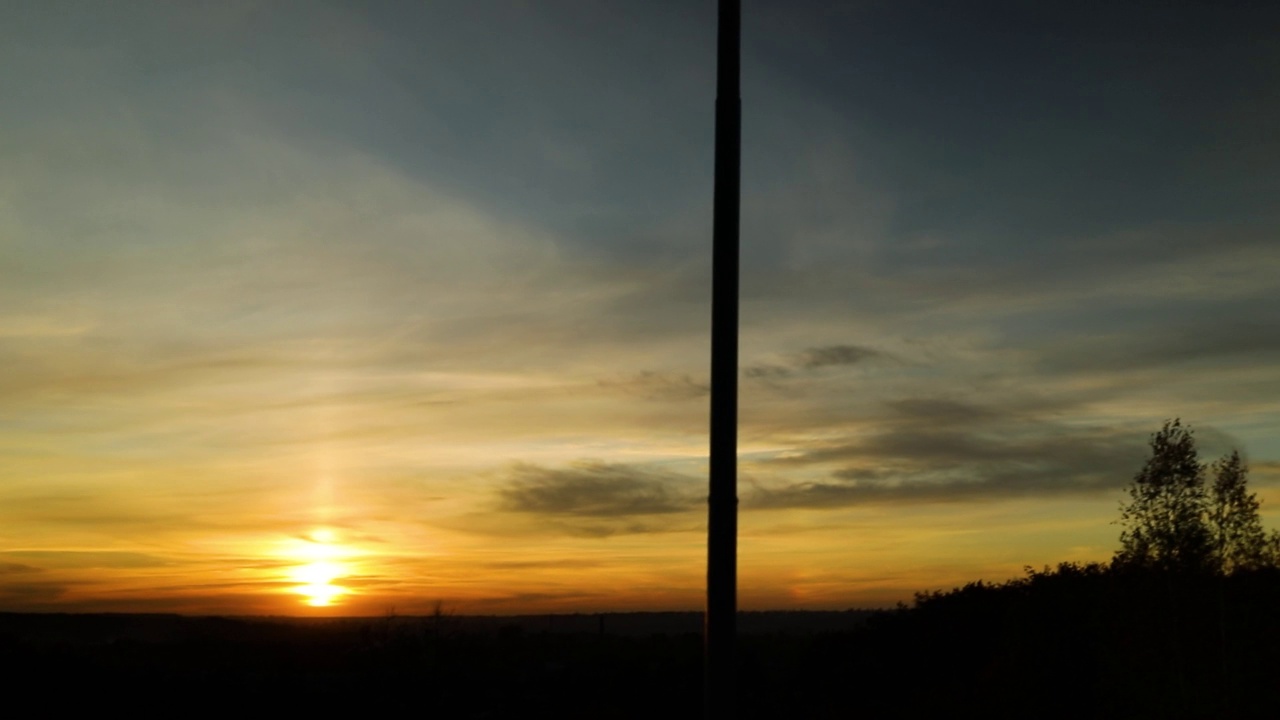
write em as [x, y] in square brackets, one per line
[594, 489]
[595, 499]
[814, 358]
[653, 385]
[941, 450]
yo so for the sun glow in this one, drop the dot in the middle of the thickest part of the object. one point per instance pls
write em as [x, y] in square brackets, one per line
[322, 562]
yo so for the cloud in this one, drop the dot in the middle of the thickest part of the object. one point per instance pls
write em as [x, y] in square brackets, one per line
[82, 559]
[1238, 337]
[841, 491]
[972, 454]
[597, 490]
[593, 499]
[940, 450]
[556, 564]
[831, 355]
[813, 358]
[941, 411]
[659, 386]
[31, 594]
[766, 372]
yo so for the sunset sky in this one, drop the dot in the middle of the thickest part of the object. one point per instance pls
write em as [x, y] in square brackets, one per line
[387, 304]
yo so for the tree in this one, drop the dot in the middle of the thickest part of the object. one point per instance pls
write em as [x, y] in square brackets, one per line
[1239, 542]
[1165, 517]
[1172, 521]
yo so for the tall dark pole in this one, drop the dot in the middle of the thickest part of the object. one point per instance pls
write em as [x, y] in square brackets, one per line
[722, 514]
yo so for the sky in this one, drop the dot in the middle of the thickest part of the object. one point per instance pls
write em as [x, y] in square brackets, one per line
[351, 308]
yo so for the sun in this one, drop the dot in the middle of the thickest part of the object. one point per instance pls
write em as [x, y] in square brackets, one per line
[321, 562]
[317, 582]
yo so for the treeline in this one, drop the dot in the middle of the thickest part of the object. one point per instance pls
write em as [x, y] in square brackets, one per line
[1092, 640]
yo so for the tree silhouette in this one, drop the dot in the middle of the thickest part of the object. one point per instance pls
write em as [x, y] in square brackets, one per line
[1165, 518]
[1239, 541]
[1174, 521]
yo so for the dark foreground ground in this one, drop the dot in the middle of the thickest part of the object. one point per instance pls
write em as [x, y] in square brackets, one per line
[1077, 642]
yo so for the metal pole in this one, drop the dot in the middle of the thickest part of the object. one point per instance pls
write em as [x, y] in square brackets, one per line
[722, 512]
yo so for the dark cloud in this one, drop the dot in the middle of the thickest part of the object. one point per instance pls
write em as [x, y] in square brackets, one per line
[939, 411]
[811, 359]
[653, 385]
[766, 372]
[924, 450]
[830, 355]
[933, 450]
[963, 447]
[967, 469]
[19, 595]
[593, 499]
[840, 494]
[596, 490]
[1173, 342]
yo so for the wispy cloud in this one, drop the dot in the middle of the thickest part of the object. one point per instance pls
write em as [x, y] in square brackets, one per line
[87, 558]
[653, 385]
[813, 358]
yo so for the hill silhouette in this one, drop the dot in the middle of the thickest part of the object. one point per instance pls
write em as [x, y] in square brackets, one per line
[1077, 640]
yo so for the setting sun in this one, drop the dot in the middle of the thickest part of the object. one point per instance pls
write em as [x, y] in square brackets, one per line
[318, 584]
[322, 562]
